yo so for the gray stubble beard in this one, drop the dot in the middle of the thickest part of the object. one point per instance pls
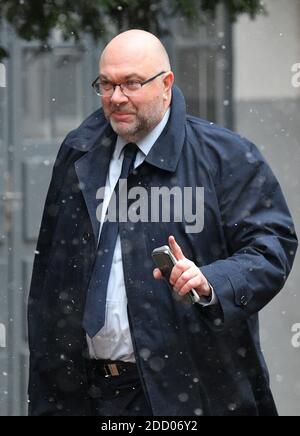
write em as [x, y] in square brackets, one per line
[140, 128]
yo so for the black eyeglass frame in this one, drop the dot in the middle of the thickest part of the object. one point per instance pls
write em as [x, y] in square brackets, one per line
[114, 85]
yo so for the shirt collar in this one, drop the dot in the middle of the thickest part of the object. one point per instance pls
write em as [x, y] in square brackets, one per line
[148, 141]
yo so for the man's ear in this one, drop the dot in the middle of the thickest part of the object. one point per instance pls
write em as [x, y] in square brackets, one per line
[168, 83]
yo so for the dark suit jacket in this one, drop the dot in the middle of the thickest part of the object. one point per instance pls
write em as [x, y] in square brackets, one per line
[192, 360]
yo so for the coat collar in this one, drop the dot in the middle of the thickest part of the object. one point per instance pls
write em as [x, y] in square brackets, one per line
[96, 139]
[165, 153]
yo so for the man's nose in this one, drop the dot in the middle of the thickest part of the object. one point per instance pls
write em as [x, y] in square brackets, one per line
[118, 97]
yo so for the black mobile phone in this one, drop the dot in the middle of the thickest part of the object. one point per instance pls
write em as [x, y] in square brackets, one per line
[165, 261]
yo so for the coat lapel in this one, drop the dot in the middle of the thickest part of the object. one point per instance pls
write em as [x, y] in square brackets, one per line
[91, 170]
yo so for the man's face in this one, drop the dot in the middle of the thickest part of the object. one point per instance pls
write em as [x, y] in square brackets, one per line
[133, 117]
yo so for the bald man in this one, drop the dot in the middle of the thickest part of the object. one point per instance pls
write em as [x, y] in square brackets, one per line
[110, 334]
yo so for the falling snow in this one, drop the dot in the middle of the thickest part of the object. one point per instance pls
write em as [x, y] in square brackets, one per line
[265, 109]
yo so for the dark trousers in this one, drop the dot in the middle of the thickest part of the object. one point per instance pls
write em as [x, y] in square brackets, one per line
[118, 396]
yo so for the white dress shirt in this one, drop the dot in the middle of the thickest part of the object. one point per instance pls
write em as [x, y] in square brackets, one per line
[113, 342]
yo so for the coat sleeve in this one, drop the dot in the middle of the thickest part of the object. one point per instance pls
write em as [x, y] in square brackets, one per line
[50, 214]
[259, 233]
[36, 389]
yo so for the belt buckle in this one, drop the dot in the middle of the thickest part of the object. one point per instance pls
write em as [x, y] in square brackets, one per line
[111, 370]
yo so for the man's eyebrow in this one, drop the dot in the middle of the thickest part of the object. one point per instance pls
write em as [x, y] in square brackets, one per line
[130, 76]
[127, 77]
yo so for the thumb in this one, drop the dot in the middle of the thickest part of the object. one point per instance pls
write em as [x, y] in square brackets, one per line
[176, 250]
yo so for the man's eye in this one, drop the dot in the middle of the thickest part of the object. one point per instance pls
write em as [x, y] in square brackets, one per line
[132, 84]
[105, 85]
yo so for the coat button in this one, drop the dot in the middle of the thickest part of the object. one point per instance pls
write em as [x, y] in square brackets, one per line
[244, 300]
[86, 236]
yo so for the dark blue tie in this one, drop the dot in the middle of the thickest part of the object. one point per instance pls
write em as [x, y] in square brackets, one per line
[94, 313]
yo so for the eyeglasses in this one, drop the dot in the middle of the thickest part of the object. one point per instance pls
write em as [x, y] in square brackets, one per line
[104, 88]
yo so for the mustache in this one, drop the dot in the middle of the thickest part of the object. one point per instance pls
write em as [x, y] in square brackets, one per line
[120, 110]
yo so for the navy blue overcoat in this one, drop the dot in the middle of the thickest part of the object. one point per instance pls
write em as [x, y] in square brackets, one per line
[192, 360]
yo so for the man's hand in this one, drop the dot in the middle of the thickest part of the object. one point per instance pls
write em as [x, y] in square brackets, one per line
[185, 274]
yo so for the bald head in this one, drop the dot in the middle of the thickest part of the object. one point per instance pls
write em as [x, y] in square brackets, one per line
[137, 47]
[135, 57]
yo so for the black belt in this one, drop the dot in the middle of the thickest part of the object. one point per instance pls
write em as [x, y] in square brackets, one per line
[110, 368]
